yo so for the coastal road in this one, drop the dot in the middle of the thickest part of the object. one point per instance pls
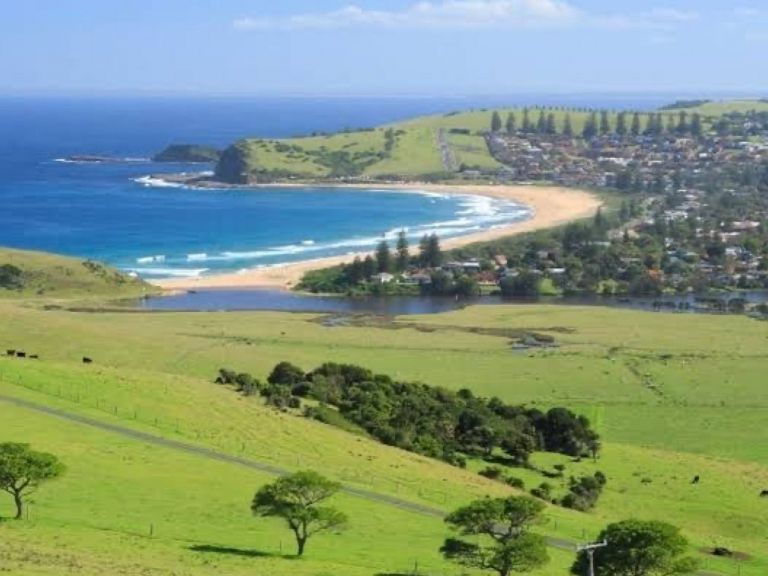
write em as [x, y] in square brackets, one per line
[210, 454]
[446, 153]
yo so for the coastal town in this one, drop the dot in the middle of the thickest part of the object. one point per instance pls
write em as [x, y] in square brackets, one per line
[684, 212]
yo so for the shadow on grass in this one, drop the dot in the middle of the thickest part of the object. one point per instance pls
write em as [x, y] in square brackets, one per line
[214, 549]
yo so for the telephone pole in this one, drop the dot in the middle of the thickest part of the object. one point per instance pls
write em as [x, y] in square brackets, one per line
[590, 550]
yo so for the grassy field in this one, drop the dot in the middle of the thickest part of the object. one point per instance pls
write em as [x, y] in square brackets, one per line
[52, 276]
[415, 150]
[719, 108]
[672, 395]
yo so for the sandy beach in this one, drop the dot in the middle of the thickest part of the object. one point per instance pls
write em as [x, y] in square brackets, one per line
[551, 206]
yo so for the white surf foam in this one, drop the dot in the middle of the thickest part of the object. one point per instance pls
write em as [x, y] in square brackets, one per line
[154, 182]
[170, 272]
[150, 259]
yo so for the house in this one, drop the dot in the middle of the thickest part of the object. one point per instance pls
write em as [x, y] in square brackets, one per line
[417, 279]
[466, 267]
[382, 278]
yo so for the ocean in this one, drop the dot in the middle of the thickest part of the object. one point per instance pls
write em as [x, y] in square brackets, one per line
[111, 212]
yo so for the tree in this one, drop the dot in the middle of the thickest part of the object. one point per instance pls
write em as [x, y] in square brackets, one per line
[696, 127]
[567, 126]
[403, 256]
[295, 499]
[526, 284]
[511, 123]
[383, 257]
[650, 125]
[286, 374]
[369, 267]
[430, 255]
[590, 127]
[495, 122]
[22, 470]
[635, 128]
[551, 127]
[503, 544]
[682, 123]
[600, 223]
[541, 123]
[527, 124]
[605, 125]
[621, 124]
[639, 548]
[355, 272]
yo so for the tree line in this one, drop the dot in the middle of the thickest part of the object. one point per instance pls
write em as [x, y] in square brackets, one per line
[598, 123]
[428, 420]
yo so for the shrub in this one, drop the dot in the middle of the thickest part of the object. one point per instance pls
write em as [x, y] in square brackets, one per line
[544, 491]
[491, 472]
[584, 492]
[515, 482]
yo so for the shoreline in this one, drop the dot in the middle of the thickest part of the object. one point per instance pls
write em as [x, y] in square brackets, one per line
[551, 206]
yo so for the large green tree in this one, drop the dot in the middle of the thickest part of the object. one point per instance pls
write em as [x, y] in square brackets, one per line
[403, 256]
[296, 500]
[567, 126]
[511, 123]
[495, 122]
[430, 253]
[639, 548]
[383, 257]
[22, 470]
[499, 530]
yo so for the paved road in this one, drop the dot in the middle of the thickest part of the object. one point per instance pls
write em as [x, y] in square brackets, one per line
[446, 153]
[253, 465]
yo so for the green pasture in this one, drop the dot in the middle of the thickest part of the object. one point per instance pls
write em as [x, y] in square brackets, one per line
[673, 396]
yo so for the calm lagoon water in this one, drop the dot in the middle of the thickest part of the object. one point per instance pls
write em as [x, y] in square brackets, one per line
[252, 299]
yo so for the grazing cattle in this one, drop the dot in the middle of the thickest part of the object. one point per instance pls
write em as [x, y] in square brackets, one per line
[695, 480]
[20, 354]
[10, 352]
[34, 357]
[764, 494]
[87, 360]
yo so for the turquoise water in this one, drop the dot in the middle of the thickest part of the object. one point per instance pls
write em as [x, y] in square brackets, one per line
[113, 213]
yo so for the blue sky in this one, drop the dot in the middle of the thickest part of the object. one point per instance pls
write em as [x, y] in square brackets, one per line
[361, 47]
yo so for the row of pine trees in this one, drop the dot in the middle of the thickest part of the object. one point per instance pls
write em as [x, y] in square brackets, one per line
[599, 123]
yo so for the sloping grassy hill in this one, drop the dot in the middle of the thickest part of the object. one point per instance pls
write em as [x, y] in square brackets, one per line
[718, 108]
[421, 147]
[24, 273]
[673, 395]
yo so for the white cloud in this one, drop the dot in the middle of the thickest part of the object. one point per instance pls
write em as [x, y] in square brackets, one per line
[457, 14]
[446, 14]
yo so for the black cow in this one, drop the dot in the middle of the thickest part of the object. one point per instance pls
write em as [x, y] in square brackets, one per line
[764, 494]
[20, 354]
[10, 353]
[87, 360]
[695, 479]
[34, 357]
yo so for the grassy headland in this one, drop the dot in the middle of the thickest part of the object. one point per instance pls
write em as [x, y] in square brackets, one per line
[25, 274]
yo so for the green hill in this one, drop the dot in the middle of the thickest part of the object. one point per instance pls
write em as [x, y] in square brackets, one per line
[672, 395]
[438, 146]
[187, 153]
[24, 273]
[718, 108]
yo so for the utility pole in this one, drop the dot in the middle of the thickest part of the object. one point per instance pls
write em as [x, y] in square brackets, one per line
[590, 550]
